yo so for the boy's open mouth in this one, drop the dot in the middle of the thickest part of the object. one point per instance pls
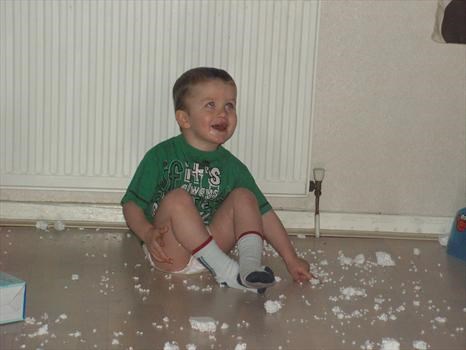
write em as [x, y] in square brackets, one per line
[220, 126]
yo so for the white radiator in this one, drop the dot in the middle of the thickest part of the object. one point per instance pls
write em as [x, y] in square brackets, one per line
[85, 86]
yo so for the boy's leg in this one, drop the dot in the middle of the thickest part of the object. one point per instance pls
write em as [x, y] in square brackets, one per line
[239, 220]
[187, 235]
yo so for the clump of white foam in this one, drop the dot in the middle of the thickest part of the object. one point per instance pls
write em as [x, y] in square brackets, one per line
[191, 347]
[272, 306]
[59, 225]
[42, 225]
[384, 259]
[349, 292]
[390, 344]
[348, 261]
[420, 345]
[416, 251]
[443, 240]
[203, 324]
[241, 346]
[171, 346]
[61, 317]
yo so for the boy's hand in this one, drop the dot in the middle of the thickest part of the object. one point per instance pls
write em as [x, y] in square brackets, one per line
[155, 243]
[299, 270]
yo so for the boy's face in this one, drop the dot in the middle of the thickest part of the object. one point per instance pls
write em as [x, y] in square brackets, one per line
[209, 119]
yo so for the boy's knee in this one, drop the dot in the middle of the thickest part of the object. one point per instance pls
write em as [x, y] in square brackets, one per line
[178, 197]
[244, 196]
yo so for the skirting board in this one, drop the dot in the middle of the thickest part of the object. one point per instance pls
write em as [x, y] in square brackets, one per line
[90, 215]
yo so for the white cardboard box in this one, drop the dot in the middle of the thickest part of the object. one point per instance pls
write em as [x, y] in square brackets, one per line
[12, 298]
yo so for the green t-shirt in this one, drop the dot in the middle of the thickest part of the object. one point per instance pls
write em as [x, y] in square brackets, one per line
[207, 176]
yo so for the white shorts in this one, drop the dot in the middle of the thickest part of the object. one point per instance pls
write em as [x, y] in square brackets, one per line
[193, 266]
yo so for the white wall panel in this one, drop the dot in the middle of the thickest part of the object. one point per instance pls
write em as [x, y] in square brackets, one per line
[85, 86]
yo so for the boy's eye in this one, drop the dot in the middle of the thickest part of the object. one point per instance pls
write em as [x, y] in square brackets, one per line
[210, 104]
[230, 106]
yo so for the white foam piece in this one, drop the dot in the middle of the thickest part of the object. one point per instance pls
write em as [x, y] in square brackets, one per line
[441, 319]
[42, 225]
[390, 344]
[59, 225]
[384, 259]
[171, 346]
[443, 240]
[241, 346]
[349, 292]
[203, 324]
[272, 306]
[420, 345]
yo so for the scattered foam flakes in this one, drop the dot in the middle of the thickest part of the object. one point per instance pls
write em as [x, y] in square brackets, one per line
[224, 326]
[344, 260]
[420, 345]
[384, 259]
[75, 334]
[441, 319]
[173, 345]
[42, 225]
[43, 330]
[191, 347]
[30, 320]
[203, 324]
[340, 314]
[416, 251]
[74, 277]
[272, 306]
[390, 344]
[241, 346]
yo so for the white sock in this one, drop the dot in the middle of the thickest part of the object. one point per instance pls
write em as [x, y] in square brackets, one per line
[223, 268]
[252, 273]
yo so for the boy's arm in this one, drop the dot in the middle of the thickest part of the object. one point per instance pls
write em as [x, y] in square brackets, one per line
[136, 220]
[276, 235]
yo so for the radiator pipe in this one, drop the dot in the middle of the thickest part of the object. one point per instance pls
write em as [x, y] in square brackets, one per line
[316, 186]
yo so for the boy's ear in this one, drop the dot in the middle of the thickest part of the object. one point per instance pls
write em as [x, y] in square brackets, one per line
[182, 119]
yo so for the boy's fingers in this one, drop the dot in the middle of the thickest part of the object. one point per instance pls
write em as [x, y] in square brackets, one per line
[303, 275]
[160, 256]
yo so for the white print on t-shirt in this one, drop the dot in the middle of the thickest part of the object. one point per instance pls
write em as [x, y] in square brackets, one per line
[196, 174]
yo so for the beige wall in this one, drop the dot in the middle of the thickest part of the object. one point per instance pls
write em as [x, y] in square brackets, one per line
[390, 110]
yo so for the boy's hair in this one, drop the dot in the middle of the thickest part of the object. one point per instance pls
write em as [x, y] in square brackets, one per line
[195, 76]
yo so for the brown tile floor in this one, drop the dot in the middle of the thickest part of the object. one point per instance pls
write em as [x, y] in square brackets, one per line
[118, 302]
